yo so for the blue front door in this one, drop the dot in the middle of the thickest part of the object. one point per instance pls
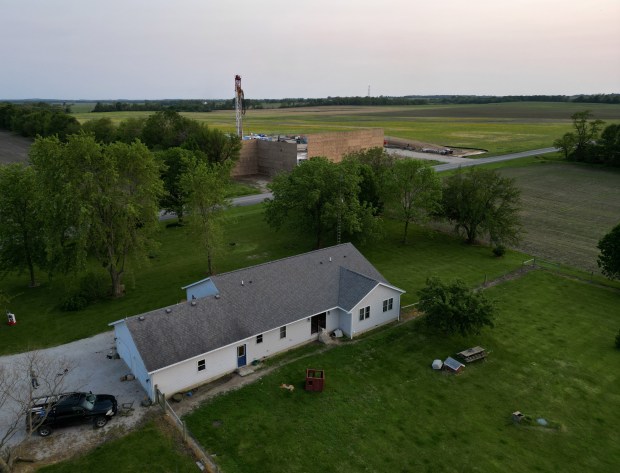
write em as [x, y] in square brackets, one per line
[241, 359]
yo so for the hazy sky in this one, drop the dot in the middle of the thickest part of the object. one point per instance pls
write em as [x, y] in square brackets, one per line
[150, 49]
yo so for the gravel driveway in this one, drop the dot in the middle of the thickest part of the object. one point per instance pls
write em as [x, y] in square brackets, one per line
[93, 372]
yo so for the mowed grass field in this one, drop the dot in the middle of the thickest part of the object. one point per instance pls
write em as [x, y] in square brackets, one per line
[180, 261]
[567, 209]
[384, 409]
[498, 128]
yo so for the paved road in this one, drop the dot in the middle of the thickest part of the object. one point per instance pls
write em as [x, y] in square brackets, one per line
[236, 202]
[251, 199]
[493, 159]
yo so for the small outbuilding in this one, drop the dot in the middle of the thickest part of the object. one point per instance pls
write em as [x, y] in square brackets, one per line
[452, 365]
[315, 380]
[437, 364]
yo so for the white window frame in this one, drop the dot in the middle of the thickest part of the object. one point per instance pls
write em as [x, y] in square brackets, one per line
[283, 332]
[259, 338]
[364, 313]
[202, 364]
[388, 304]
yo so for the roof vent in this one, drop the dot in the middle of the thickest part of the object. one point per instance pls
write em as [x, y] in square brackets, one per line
[320, 262]
[193, 303]
[168, 310]
[242, 282]
[330, 259]
[141, 318]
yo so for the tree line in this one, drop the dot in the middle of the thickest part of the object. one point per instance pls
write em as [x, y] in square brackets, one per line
[97, 194]
[348, 200]
[37, 119]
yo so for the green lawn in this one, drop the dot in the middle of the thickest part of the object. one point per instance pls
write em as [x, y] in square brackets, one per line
[179, 261]
[384, 409]
[498, 128]
[151, 448]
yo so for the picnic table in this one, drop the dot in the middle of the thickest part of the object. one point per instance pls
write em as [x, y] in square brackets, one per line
[472, 354]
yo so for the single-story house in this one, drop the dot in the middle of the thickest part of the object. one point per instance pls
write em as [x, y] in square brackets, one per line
[232, 319]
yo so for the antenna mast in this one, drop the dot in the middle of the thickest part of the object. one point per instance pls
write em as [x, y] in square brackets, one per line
[239, 106]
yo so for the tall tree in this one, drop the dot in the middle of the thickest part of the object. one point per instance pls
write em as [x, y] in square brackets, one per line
[566, 144]
[413, 192]
[130, 130]
[206, 187]
[377, 158]
[585, 134]
[609, 259]
[167, 129]
[481, 201]
[217, 146]
[608, 147]
[103, 129]
[101, 200]
[317, 197]
[21, 242]
[174, 164]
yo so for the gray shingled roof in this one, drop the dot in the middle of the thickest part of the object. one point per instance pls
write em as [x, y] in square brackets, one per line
[272, 295]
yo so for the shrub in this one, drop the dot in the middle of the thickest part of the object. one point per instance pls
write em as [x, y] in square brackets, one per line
[91, 288]
[73, 303]
[94, 286]
[454, 308]
[499, 251]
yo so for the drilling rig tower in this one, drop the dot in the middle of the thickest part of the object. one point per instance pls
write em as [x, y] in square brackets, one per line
[239, 106]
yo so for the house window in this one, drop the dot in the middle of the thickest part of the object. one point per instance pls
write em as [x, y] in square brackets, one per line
[388, 304]
[259, 338]
[202, 365]
[364, 312]
[283, 332]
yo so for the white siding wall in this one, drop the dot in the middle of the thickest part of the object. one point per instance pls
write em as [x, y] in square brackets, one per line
[127, 350]
[296, 334]
[377, 317]
[185, 375]
[333, 320]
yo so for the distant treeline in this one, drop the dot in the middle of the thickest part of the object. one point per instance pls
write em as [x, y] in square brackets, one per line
[210, 105]
[441, 99]
[173, 105]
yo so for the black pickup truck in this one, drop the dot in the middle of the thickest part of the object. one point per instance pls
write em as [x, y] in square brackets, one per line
[48, 412]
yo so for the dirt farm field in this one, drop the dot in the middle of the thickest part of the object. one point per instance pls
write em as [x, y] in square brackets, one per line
[13, 148]
[568, 208]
